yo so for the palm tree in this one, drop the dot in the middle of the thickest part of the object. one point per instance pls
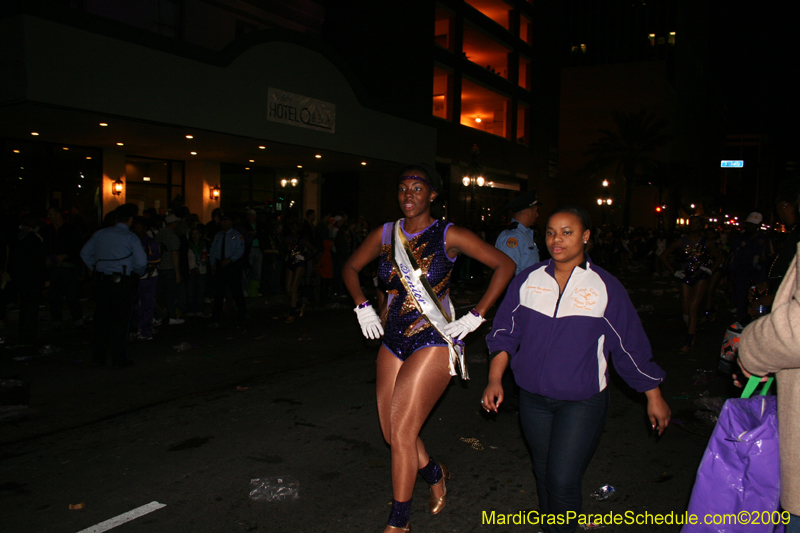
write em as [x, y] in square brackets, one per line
[629, 151]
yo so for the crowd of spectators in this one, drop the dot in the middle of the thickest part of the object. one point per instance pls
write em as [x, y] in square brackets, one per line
[40, 262]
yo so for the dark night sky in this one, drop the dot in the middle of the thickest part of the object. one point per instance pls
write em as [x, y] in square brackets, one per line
[759, 68]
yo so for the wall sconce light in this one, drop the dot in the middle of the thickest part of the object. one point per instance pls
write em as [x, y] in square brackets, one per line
[117, 188]
[215, 193]
[293, 182]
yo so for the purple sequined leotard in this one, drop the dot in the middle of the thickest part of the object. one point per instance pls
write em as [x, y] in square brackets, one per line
[406, 331]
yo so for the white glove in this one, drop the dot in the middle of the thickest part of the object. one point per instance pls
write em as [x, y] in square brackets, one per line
[369, 322]
[706, 270]
[680, 274]
[468, 323]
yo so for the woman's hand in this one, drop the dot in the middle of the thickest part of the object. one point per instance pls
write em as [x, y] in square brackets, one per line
[493, 396]
[657, 410]
[493, 393]
[369, 322]
[747, 375]
[468, 323]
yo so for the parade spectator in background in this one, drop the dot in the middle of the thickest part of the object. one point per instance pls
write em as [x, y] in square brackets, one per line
[273, 258]
[516, 239]
[28, 273]
[148, 282]
[197, 273]
[748, 266]
[225, 257]
[117, 259]
[298, 250]
[255, 234]
[787, 207]
[169, 274]
[63, 261]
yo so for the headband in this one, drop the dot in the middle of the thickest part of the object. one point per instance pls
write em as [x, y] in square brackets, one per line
[418, 178]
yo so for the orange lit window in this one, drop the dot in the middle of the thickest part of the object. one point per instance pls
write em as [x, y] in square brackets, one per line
[444, 28]
[442, 93]
[525, 29]
[497, 10]
[524, 80]
[671, 38]
[485, 51]
[652, 38]
[523, 117]
[484, 109]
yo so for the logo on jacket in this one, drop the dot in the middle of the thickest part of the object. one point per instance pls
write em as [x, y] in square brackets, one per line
[512, 242]
[584, 298]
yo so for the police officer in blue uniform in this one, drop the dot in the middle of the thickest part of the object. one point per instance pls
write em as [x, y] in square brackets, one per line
[117, 259]
[226, 258]
[516, 240]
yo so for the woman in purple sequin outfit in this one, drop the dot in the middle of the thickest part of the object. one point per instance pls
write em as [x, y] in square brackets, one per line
[413, 367]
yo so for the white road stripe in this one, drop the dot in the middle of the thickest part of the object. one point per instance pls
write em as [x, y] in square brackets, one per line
[124, 517]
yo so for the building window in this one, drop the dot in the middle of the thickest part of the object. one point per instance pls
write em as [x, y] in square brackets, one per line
[524, 80]
[497, 10]
[442, 93]
[671, 38]
[153, 183]
[485, 51]
[579, 49]
[523, 129]
[443, 29]
[484, 109]
[652, 38]
[526, 29]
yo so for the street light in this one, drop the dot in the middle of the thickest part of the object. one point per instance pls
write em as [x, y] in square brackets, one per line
[604, 202]
[474, 177]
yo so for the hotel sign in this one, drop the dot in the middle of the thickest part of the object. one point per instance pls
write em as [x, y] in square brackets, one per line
[732, 164]
[301, 111]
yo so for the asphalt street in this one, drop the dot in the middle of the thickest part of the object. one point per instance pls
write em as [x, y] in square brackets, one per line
[267, 400]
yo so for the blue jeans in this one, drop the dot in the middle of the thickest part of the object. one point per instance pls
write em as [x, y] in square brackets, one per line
[794, 524]
[562, 436]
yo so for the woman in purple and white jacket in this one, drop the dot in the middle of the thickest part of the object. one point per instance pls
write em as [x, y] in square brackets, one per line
[558, 323]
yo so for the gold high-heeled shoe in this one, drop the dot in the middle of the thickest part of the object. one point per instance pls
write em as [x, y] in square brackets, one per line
[437, 504]
[406, 529]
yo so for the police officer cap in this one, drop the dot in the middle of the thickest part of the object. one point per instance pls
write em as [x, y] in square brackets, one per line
[523, 201]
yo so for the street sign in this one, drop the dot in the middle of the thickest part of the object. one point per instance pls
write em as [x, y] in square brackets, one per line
[737, 164]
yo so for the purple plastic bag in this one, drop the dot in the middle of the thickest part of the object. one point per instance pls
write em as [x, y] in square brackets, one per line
[740, 470]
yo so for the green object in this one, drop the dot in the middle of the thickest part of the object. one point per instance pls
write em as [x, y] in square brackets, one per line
[252, 289]
[752, 384]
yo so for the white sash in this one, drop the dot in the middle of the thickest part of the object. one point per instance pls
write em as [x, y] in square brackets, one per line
[424, 297]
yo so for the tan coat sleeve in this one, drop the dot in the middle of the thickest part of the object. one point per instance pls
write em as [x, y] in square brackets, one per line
[772, 342]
